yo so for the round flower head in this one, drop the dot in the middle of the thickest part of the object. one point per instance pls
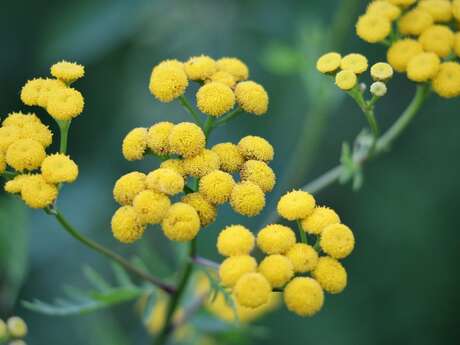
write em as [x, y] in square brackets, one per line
[174, 164]
[47, 88]
[15, 185]
[17, 342]
[16, 327]
[457, 44]
[378, 89]
[215, 99]
[402, 3]
[373, 28]
[320, 218]
[186, 139]
[58, 168]
[181, 223]
[252, 97]
[8, 135]
[356, 63]
[151, 207]
[126, 225]
[2, 162]
[3, 330]
[275, 239]
[206, 210]
[128, 186]
[25, 154]
[304, 296]
[447, 82]
[31, 91]
[230, 157]
[168, 81]
[277, 269]
[296, 205]
[157, 138]
[438, 39]
[135, 144]
[235, 240]
[234, 66]
[165, 180]
[346, 80]
[224, 78]
[38, 132]
[252, 290]
[20, 119]
[456, 9]
[200, 67]
[232, 268]
[440, 10]
[201, 164]
[401, 52]
[384, 8]
[415, 22]
[337, 241]
[247, 199]
[259, 173]
[303, 257]
[37, 193]
[65, 103]
[217, 186]
[329, 62]
[67, 71]
[330, 274]
[381, 71]
[423, 67]
[257, 148]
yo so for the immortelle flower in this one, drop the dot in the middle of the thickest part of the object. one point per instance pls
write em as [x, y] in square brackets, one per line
[447, 82]
[174, 164]
[128, 186]
[415, 22]
[224, 78]
[127, 226]
[234, 66]
[38, 132]
[385, 8]
[151, 206]
[65, 103]
[373, 28]
[235, 240]
[231, 159]
[320, 218]
[303, 257]
[157, 138]
[215, 99]
[234, 267]
[296, 205]
[438, 39]
[381, 71]
[346, 80]
[329, 62]
[278, 270]
[181, 222]
[257, 148]
[275, 239]
[337, 241]
[67, 71]
[423, 67]
[330, 274]
[186, 139]
[200, 67]
[252, 290]
[401, 52]
[59, 168]
[304, 296]
[25, 154]
[259, 173]
[440, 10]
[247, 199]
[357, 63]
[252, 97]
[168, 81]
[378, 89]
[135, 144]
[167, 181]
[37, 193]
[201, 164]
[217, 186]
[206, 210]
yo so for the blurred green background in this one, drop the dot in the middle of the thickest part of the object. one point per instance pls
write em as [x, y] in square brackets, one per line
[403, 276]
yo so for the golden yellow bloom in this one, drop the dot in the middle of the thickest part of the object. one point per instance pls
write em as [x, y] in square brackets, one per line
[65, 103]
[151, 207]
[423, 67]
[257, 148]
[456, 9]
[247, 199]
[373, 28]
[201, 164]
[278, 270]
[415, 22]
[186, 139]
[328, 62]
[402, 3]
[252, 290]
[384, 8]
[319, 219]
[275, 239]
[234, 66]
[126, 225]
[304, 296]
[135, 144]
[174, 164]
[230, 157]
[235, 240]
[128, 186]
[401, 52]
[296, 205]
[200, 67]
[19, 119]
[31, 91]
[15, 185]
[457, 44]
[259, 173]
[378, 89]
[37, 193]
[304, 258]
[252, 97]
[157, 139]
[16, 327]
[330, 274]
[206, 210]
[2, 162]
[25, 154]
[447, 82]
[181, 222]
[217, 186]
[232, 268]
[381, 71]
[166, 181]
[440, 10]
[337, 241]
[215, 99]
[67, 71]
[38, 132]
[58, 168]
[224, 78]
[168, 81]
[346, 80]
[8, 135]
[48, 87]
[438, 39]
[357, 63]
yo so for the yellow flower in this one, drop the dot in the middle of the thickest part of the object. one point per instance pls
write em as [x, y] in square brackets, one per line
[15, 185]
[230, 157]
[37, 193]
[440, 10]
[438, 39]
[247, 199]
[157, 139]
[457, 44]
[3, 330]
[25, 154]
[252, 290]
[296, 205]
[200, 67]
[8, 135]
[304, 258]
[304, 296]
[378, 89]
[215, 99]
[235, 240]
[384, 8]
[257, 148]
[275, 239]
[20, 119]
[329, 62]
[135, 144]
[232, 268]
[456, 9]
[259, 173]
[373, 28]
[401, 52]
[38, 132]
[2, 162]
[354, 62]
[67, 71]
[319, 219]
[423, 67]
[381, 71]
[58, 168]
[217, 186]
[402, 3]
[151, 207]
[206, 210]
[186, 139]
[166, 181]
[31, 91]
[16, 327]
[252, 97]
[346, 80]
[224, 78]
[65, 103]
[126, 225]
[447, 82]
[234, 66]
[415, 22]
[330, 274]
[128, 186]
[337, 241]
[201, 164]
[168, 81]
[278, 270]
[181, 223]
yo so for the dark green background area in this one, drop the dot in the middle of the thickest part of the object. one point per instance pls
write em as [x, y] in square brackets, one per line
[403, 276]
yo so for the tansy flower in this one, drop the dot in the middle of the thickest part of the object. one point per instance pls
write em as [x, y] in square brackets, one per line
[329, 62]
[235, 240]
[58, 168]
[25, 154]
[215, 99]
[234, 66]
[151, 206]
[174, 164]
[296, 205]
[252, 290]
[230, 157]
[257, 148]
[200, 67]
[168, 81]
[224, 78]
[37, 131]
[385, 8]
[181, 222]
[304, 296]
[2, 162]
[3, 330]
[67, 71]
[354, 62]
[201, 164]
[165, 180]
[8, 135]
[65, 103]
[456, 9]
[330, 274]
[16, 327]
[206, 210]
[31, 91]
[126, 225]
[19, 119]
[232, 268]
[186, 139]
[373, 28]
[402, 3]
[128, 186]
[337, 241]
[278, 270]
[252, 97]
[401, 52]
[381, 71]
[135, 144]
[157, 138]
[457, 44]
[217, 186]
[423, 67]
[320, 218]
[378, 89]
[37, 193]
[303, 257]
[15, 185]
[346, 80]
[438, 39]
[275, 239]
[259, 173]
[447, 82]
[247, 199]
[440, 10]
[415, 22]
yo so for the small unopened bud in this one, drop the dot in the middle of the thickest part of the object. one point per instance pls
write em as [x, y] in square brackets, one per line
[3, 330]
[362, 87]
[378, 89]
[17, 342]
[17, 327]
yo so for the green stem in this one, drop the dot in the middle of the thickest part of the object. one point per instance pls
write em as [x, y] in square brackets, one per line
[229, 116]
[208, 126]
[302, 233]
[186, 104]
[368, 110]
[8, 175]
[64, 130]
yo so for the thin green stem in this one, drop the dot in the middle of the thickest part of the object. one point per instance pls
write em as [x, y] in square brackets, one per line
[302, 233]
[368, 110]
[8, 175]
[208, 126]
[64, 127]
[227, 117]
[186, 104]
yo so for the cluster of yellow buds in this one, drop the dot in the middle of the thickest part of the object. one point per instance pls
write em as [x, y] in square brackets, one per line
[288, 262]
[423, 43]
[13, 330]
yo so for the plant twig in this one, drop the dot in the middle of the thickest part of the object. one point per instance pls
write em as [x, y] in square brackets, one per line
[205, 262]
[186, 104]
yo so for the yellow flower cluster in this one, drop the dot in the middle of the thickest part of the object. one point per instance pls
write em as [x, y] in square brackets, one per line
[14, 328]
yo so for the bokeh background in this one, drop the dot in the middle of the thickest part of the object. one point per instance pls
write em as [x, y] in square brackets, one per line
[403, 276]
